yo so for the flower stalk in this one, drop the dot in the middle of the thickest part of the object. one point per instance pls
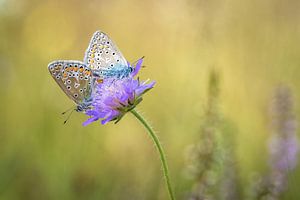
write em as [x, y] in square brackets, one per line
[162, 156]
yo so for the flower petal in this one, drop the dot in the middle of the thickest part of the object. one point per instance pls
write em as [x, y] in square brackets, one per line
[143, 88]
[137, 67]
[110, 117]
[90, 120]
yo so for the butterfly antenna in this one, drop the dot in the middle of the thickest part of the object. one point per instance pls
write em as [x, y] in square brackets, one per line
[67, 110]
[138, 60]
[69, 116]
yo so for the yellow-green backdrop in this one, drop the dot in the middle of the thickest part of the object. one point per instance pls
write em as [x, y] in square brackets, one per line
[252, 44]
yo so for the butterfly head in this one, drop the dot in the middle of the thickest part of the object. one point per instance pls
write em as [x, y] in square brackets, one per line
[131, 69]
[85, 105]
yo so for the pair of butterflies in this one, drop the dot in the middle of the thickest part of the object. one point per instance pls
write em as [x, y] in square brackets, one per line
[77, 79]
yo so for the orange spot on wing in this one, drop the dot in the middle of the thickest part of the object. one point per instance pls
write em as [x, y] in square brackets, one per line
[99, 80]
[81, 69]
[75, 69]
[88, 73]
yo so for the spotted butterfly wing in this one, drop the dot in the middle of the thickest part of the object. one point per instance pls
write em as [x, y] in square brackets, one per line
[74, 78]
[102, 55]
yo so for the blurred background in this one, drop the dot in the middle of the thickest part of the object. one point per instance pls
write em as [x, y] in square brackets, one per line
[226, 56]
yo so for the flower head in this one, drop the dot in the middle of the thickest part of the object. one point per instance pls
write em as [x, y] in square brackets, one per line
[284, 144]
[283, 147]
[113, 98]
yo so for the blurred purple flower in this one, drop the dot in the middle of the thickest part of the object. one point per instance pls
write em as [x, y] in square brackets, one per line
[284, 144]
[283, 147]
[283, 152]
[113, 98]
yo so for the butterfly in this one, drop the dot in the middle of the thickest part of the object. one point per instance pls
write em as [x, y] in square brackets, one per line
[77, 79]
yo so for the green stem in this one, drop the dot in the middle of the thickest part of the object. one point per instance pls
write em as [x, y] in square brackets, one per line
[160, 150]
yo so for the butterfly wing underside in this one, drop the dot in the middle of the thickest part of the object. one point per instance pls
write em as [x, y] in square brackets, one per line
[74, 78]
[103, 54]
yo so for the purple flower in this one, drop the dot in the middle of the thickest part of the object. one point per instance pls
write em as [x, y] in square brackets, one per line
[284, 144]
[283, 147]
[113, 98]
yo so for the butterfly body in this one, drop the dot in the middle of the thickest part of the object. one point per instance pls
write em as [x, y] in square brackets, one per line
[117, 72]
[77, 79]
